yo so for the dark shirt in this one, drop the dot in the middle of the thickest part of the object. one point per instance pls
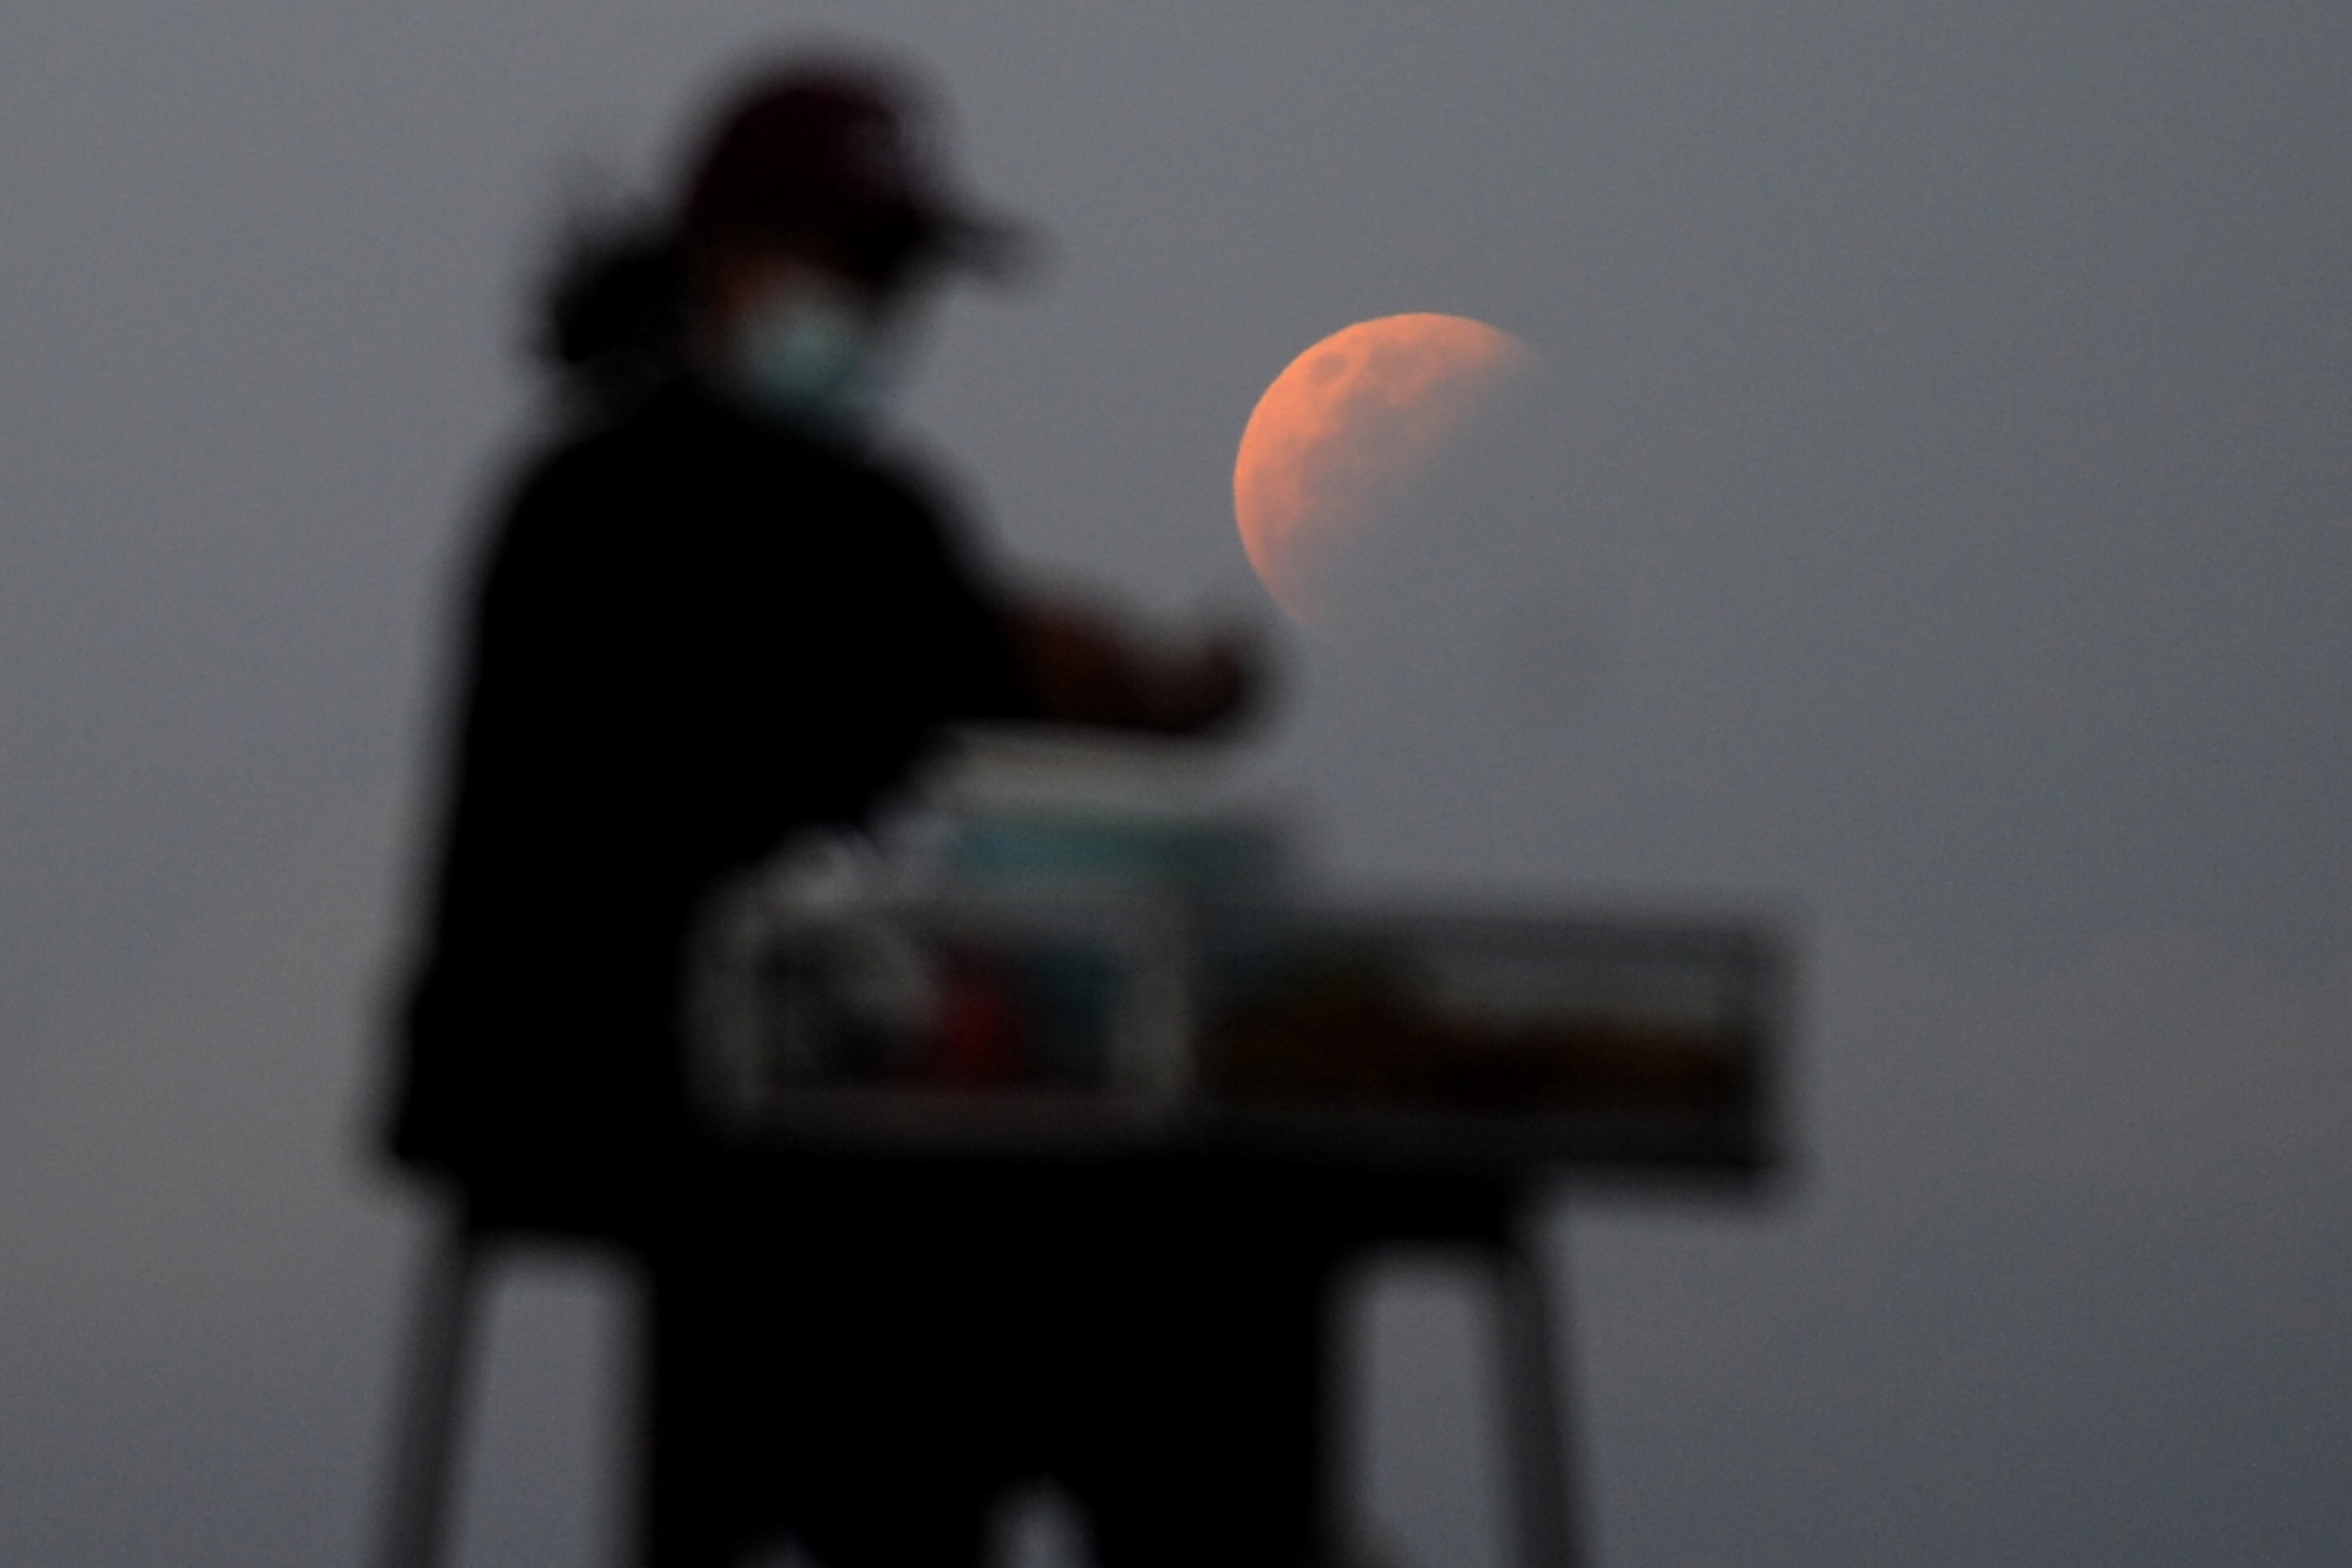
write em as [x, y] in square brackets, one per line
[696, 631]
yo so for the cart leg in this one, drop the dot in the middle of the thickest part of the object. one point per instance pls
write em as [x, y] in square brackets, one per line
[426, 1441]
[1535, 1410]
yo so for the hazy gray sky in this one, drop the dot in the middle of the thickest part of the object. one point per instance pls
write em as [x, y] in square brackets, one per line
[1932, 520]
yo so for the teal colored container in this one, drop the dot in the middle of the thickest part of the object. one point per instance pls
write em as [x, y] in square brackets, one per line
[1043, 851]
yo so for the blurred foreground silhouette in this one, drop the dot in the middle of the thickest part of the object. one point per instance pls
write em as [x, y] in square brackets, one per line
[718, 614]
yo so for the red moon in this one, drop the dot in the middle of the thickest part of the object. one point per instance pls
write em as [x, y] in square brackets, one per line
[1347, 424]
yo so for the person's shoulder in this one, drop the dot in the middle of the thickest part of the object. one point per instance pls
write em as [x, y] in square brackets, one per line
[597, 446]
[563, 497]
[595, 467]
[683, 456]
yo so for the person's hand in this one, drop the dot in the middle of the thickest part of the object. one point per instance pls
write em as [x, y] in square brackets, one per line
[1085, 667]
[1213, 685]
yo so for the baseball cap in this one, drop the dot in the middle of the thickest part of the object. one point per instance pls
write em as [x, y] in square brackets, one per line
[849, 155]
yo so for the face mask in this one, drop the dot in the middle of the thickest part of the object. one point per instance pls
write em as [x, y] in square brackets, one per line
[812, 354]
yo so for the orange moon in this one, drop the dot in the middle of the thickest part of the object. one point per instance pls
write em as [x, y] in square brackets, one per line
[1346, 425]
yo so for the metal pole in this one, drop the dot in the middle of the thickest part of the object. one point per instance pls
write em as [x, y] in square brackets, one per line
[431, 1402]
[1535, 1408]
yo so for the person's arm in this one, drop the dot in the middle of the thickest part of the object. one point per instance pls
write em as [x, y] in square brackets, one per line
[1083, 667]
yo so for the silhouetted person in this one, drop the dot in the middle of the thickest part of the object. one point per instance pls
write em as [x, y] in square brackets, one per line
[715, 612]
